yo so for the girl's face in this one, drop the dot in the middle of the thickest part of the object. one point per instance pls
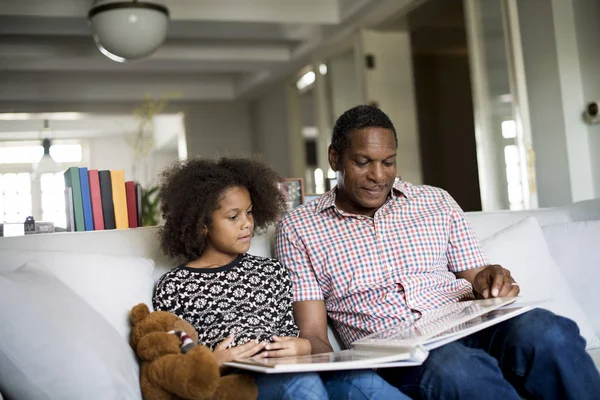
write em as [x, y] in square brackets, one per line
[232, 223]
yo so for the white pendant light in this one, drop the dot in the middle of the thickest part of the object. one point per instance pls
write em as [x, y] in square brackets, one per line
[46, 163]
[128, 30]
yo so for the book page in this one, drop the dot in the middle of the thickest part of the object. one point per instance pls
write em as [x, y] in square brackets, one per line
[432, 323]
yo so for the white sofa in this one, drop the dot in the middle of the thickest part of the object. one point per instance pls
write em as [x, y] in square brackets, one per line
[64, 333]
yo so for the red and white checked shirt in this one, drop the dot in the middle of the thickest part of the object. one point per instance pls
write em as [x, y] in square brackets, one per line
[376, 272]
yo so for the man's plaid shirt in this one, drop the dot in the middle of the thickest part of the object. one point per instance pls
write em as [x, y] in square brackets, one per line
[377, 272]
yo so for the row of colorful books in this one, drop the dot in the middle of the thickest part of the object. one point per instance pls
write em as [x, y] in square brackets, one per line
[98, 200]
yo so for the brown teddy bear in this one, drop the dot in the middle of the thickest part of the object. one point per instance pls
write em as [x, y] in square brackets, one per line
[173, 367]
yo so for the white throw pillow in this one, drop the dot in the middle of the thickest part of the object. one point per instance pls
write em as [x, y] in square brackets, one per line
[576, 248]
[522, 249]
[53, 345]
[112, 285]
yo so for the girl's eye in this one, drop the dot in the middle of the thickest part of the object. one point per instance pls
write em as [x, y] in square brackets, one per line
[249, 212]
[233, 218]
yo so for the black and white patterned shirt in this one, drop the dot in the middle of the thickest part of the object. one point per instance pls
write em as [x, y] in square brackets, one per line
[251, 297]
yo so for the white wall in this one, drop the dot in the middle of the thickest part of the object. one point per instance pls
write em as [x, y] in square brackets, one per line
[270, 126]
[587, 24]
[343, 83]
[545, 103]
[556, 36]
[218, 129]
[390, 84]
[111, 153]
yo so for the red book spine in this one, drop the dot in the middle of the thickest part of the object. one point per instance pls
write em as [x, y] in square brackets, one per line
[96, 199]
[131, 204]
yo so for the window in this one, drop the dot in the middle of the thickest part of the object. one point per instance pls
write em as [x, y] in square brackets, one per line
[23, 193]
[53, 198]
[15, 196]
[513, 166]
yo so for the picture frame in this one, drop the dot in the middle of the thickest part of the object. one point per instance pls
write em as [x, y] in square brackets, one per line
[292, 190]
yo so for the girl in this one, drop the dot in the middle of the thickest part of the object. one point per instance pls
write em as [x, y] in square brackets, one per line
[241, 305]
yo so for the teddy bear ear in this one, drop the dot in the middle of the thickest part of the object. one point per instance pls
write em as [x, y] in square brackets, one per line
[139, 312]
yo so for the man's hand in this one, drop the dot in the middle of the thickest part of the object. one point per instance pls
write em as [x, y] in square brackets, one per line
[285, 346]
[495, 281]
[246, 350]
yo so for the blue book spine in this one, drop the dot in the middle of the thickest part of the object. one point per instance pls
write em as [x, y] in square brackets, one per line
[88, 217]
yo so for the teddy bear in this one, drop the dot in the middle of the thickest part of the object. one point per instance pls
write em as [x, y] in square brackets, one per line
[173, 367]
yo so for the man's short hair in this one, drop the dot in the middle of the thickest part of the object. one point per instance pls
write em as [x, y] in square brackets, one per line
[357, 118]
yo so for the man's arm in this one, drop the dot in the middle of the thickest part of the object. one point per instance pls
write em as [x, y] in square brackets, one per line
[311, 318]
[467, 261]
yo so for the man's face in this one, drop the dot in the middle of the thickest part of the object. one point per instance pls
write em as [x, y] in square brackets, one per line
[365, 171]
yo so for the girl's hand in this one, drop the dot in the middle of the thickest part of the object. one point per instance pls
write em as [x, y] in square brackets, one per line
[246, 350]
[286, 347]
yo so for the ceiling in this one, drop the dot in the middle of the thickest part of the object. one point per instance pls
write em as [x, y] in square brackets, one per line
[215, 49]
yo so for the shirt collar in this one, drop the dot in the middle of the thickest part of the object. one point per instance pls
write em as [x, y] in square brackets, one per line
[399, 189]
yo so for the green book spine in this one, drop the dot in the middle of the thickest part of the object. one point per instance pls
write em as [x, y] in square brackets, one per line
[72, 181]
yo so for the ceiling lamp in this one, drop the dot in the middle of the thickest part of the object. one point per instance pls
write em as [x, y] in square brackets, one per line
[128, 30]
[46, 163]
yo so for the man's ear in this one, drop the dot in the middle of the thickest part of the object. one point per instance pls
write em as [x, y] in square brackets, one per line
[333, 159]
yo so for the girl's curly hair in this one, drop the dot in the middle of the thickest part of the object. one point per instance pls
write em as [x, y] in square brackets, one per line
[191, 190]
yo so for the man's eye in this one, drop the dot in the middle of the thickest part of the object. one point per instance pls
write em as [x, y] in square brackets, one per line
[361, 163]
[388, 163]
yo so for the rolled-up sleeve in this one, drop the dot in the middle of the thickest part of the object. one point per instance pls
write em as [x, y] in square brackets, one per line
[464, 251]
[290, 250]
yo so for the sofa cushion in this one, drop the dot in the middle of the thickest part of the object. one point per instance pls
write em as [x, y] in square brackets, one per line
[586, 210]
[576, 248]
[53, 345]
[485, 224]
[522, 249]
[110, 284]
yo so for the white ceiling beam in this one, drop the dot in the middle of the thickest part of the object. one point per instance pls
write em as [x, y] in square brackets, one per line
[48, 50]
[270, 11]
[93, 64]
[221, 52]
[83, 87]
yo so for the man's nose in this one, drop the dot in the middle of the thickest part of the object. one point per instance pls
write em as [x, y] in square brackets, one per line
[376, 172]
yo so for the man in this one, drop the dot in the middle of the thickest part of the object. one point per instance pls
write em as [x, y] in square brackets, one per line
[372, 253]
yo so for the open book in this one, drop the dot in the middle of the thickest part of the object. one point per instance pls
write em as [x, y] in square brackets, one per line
[406, 344]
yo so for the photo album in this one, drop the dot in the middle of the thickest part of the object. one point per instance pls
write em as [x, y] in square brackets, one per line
[404, 345]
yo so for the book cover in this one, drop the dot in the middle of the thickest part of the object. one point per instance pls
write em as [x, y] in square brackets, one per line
[138, 198]
[88, 219]
[117, 179]
[108, 209]
[96, 199]
[72, 181]
[131, 204]
[69, 209]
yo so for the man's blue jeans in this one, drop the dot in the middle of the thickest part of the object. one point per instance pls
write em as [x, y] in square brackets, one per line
[535, 355]
[342, 385]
